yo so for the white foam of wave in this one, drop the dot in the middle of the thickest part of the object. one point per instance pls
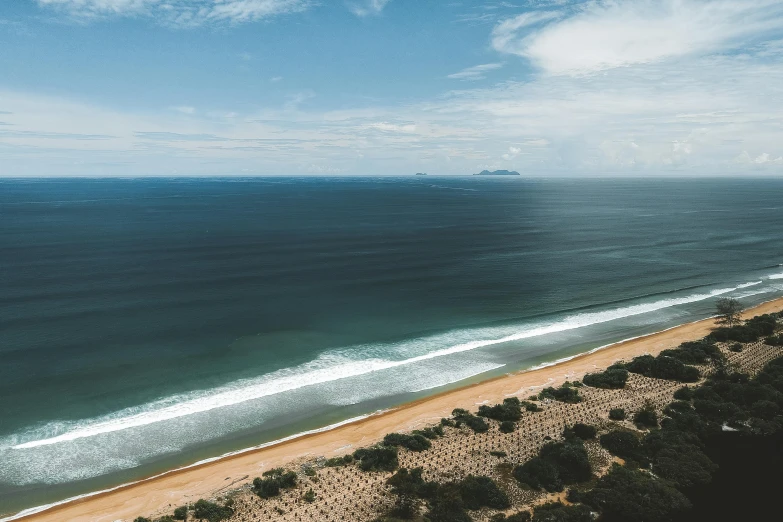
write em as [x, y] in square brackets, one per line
[46, 507]
[292, 379]
[748, 285]
[776, 276]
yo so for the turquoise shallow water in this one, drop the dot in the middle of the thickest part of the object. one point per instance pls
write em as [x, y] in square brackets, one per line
[147, 324]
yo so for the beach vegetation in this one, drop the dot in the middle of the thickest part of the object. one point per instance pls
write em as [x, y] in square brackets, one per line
[565, 393]
[508, 427]
[336, 462]
[309, 496]
[751, 331]
[617, 414]
[273, 481]
[663, 367]
[477, 424]
[556, 465]
[498, 453]
[509, 410]
[584, 431]
[626, 494]
[684, 394]
[610, 379]
[521, 516]
[142, 519]
[531, 407]
[695, 352]
[559, 512]
[625, 445]
[444, 422]
[729, 311]
[413, 442]
[181, 513]
[646, 417]
[211, 512]
[433, 432]
[377, 458]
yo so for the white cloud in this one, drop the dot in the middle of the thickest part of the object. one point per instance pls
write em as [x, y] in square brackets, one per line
[476, 72]
[368, 7]
[179, 12]
[184, 109]
[603, 34]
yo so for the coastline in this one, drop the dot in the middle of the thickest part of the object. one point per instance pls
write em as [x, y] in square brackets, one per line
[204, 479]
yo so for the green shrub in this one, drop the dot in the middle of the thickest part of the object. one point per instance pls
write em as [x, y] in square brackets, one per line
[531, 407]
[624, 494]
[584, 431]
[646, 417]
[479, 492]
[736, 347]
[274, 480]
[557, 464]
[142, 519]
[617, 414]
[181, 513]
[610, 379]
[498, 453]
[377, 458]
[309, 497]
[559, 512]
[625, 445]
[663, 367]
[507, 427]
[414, 442]
[510, 410]
[211, 512]
[477, 424]
[684, 394]
[338, 461]
[564, 393]
[695, 352]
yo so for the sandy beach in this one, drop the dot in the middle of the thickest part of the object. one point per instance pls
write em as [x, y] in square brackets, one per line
[207, 480]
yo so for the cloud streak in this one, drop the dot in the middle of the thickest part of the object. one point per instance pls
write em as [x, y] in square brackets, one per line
[368, 7]
[181, 13]
[604, 34]
[477, 72]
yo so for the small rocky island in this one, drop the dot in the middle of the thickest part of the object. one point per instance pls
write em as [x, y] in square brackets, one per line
[498, 173]
[421, 173]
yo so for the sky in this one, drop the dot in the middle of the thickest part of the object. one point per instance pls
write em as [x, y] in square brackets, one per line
[383, 87]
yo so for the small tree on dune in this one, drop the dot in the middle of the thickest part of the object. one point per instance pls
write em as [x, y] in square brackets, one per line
[729, 311]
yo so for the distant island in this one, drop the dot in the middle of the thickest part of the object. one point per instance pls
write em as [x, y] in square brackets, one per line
[421, 173]
[498, 173]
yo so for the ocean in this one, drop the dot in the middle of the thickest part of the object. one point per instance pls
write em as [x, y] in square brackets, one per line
[147, 324]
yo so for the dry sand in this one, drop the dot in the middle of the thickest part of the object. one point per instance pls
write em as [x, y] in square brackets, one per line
[204, 481]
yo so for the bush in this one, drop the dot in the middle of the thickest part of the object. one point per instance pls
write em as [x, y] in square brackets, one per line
[663, 367]
[647, 417]
[696, 352]
[478, 492]
[584, 431]
[510, 410]
[624, 494]
[557, 464]
[309, 497]
[477, 424]
[274, 480]
[414, 442]
[378, 458]
[211, 512]
[142, 519]
[507, 427]
[625, 445]
[498, 453]
[610, 379]
[617, 414]
[338, 461]
[181, 513]
[531, 407]
[684, 394]
[559, 512]
[736, 347]
[564, 393]
[431, 433]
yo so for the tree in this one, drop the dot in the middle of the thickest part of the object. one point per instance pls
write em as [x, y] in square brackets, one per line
[729, 311]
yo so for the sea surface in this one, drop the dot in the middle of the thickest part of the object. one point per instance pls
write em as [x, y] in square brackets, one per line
[146, 324]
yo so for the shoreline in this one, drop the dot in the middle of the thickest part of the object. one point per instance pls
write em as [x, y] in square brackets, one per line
[205, 478]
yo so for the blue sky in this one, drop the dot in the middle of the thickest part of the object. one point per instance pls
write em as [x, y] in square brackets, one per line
[242, 87]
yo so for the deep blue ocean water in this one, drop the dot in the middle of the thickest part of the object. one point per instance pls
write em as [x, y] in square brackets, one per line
[146, 324]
